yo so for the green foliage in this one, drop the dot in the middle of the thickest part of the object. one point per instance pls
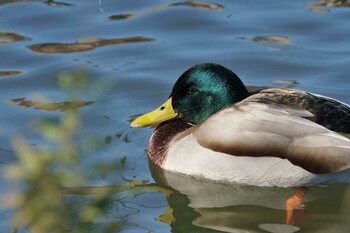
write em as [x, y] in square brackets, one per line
[49, 172]
[42, 172]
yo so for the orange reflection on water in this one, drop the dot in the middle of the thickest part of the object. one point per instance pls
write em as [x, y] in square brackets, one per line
[273, 39]
[84, 44]
[321, 6]
[330, 3]
[199, 5]
[5, 73]
[48, 2]
[10, 37]
[50, 106]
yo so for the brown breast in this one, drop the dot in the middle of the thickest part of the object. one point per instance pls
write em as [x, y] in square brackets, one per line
[161, 137]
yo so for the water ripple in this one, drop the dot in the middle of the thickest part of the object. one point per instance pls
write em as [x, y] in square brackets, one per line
[10, 37]
[5, 73]
[198, 5]
[84, 44]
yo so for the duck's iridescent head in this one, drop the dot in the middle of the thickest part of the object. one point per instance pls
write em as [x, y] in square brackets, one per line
[199, 92]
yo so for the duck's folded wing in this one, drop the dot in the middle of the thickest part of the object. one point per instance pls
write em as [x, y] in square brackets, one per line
[259, 129]
[324, 109]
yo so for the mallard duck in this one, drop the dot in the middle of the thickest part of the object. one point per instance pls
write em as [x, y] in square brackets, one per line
[212, 127]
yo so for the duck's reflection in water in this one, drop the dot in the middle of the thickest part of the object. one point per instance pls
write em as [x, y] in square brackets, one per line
[199, 205]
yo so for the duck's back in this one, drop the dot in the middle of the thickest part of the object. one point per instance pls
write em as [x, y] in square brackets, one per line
[327, 112]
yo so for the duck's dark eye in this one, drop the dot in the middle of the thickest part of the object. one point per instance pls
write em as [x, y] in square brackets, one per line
[191, 90]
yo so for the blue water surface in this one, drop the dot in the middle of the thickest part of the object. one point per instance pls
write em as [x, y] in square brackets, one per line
[132, 52]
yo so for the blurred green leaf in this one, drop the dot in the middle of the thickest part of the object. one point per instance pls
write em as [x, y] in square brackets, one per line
[108, 139]
[126, 139]
[123, 161]
[49, 172]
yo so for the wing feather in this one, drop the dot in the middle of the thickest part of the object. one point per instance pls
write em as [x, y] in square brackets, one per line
[262, 129]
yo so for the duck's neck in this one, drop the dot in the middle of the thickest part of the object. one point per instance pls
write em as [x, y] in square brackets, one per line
[161, 137]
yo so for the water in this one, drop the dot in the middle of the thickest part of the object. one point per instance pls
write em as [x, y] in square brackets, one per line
[133, 52]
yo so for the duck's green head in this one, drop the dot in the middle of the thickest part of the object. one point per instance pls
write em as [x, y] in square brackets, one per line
[200, 92]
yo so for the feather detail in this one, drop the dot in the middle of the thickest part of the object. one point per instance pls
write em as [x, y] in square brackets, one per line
[258, 129]
[159, 142]
[324, 109]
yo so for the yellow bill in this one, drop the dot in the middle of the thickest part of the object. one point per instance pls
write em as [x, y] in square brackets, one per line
[163, 113]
